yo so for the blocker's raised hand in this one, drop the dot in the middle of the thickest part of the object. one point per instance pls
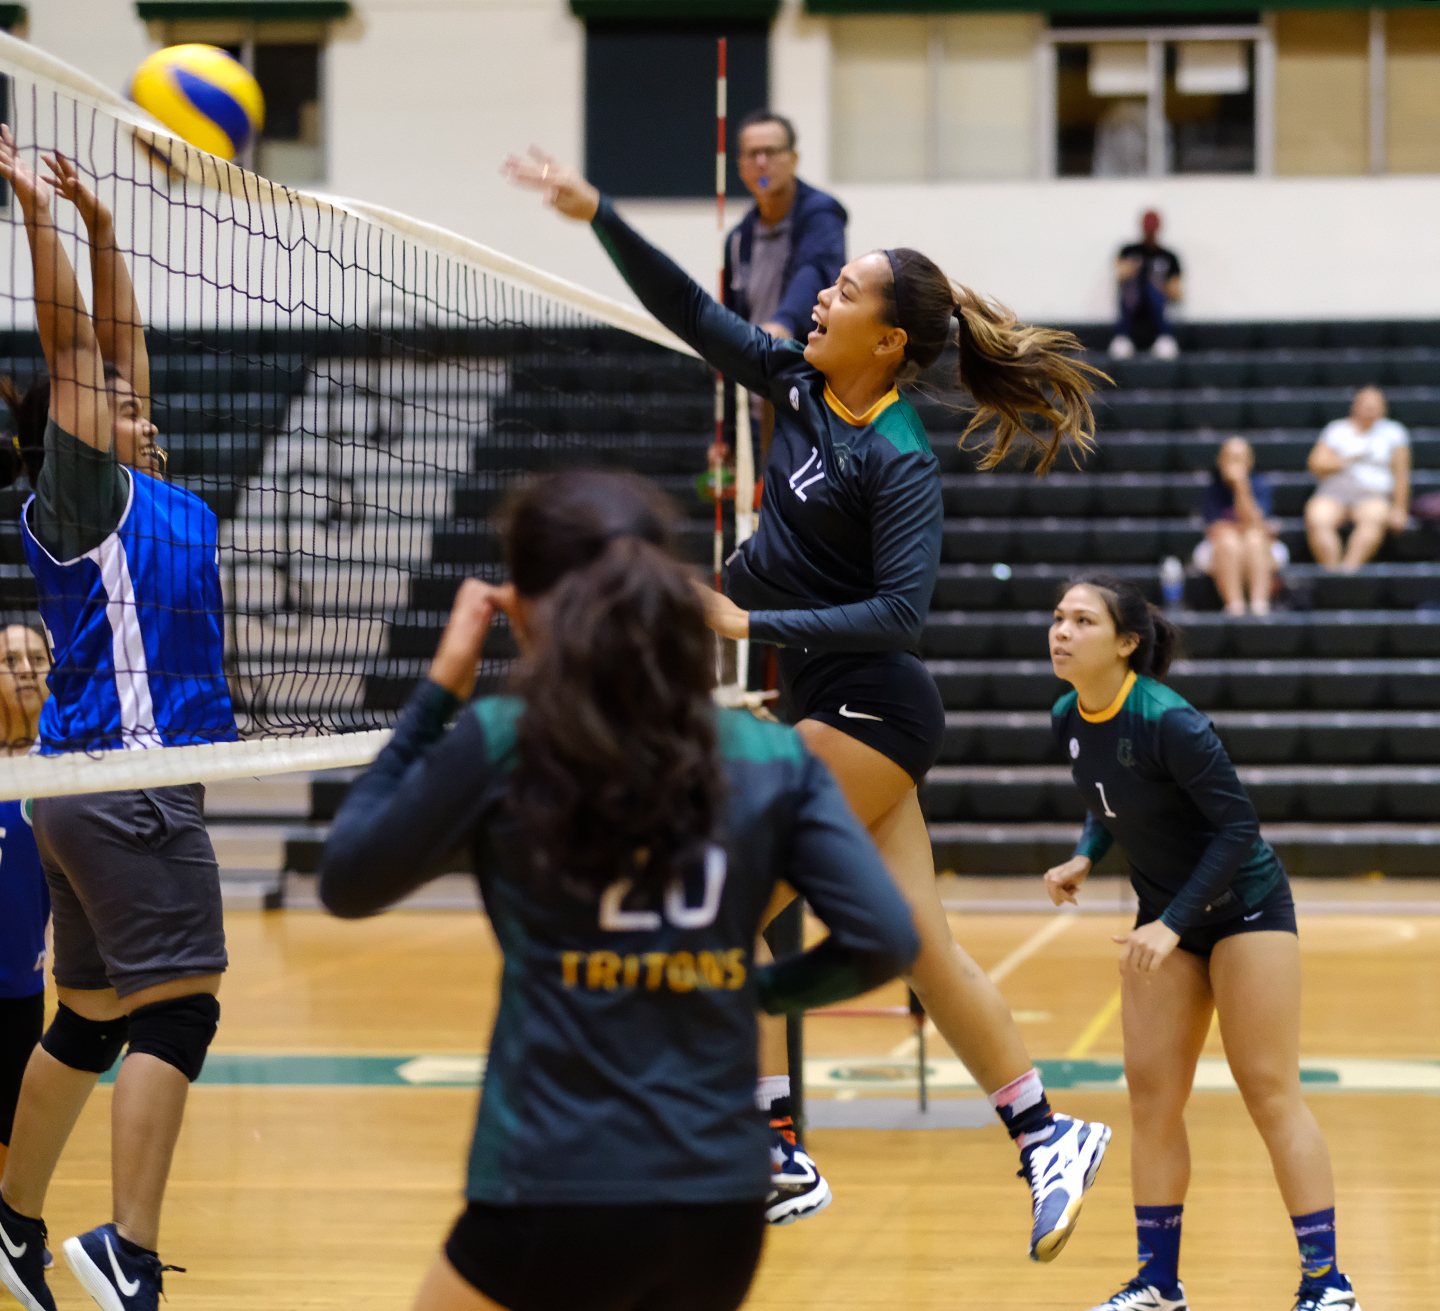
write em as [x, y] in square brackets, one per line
[30, 188]
[72, 187]
[459, 652]
[560, 185]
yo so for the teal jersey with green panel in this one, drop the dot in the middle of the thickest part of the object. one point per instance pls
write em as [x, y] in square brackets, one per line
[623, 1061]
[848, 543]
[1155, 778]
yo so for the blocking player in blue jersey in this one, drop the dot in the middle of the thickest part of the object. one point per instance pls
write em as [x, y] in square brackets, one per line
[627, 837]
[128, 585]
[839, 576]
[1215, 931]
[24, 898]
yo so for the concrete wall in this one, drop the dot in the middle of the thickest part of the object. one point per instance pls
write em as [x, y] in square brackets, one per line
[426, 95]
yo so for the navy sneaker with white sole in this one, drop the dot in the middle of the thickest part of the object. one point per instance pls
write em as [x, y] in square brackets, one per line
[797, 1188]
[1326, 1297]
[115, 1280]
[1060, 1171]
[22, 1260]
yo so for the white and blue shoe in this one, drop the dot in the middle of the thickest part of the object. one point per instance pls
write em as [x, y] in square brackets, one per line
[1137, 1295]
[1060, 1171]
[22, 1260]
[798, 1190]
[1315, 1297]
[115, 1280]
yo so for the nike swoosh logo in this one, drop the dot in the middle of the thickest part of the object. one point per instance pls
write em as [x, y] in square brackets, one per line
[1250, 919]
[127, 1286]
[855, 714]
[16, 1252]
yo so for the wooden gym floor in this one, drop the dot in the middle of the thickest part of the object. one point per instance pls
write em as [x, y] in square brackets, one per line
[336, 1194]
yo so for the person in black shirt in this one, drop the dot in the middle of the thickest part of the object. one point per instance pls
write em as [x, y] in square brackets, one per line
[840, 573]
[1149, 278]
[627, 837]
[1215, 931]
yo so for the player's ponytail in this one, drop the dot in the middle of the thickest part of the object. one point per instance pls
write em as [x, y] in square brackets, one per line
[619, 774]
[1011, 369]
[1131, 613]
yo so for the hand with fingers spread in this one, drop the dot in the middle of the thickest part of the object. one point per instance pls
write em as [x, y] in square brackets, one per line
[1062, 882]
[32, 191]
[1144, 949]
[71, 186]
[562, 187]
[460, 645]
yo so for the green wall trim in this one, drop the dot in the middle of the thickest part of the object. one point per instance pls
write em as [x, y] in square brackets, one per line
[671, 11]
[258, 11]
[1120, 8]
[11, 16]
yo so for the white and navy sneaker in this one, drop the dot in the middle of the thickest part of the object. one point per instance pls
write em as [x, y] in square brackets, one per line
[798, 1189]
[1316, 1297]
[22, 1260]
[1060, 1171]
[115, 1280]
[1137, 1295]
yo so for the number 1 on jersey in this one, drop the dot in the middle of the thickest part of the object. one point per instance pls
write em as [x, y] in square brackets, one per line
[1108, 812]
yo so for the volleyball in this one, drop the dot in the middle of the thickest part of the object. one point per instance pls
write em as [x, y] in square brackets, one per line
[203, 95]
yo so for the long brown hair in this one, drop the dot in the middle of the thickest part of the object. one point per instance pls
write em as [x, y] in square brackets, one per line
[619, 773]
[1012, 370]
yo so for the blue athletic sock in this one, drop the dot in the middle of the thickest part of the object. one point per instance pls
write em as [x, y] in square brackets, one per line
[1157, 1236]
[1315, 1233]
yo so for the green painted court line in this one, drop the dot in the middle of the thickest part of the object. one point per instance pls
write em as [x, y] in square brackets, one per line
[822, 1074]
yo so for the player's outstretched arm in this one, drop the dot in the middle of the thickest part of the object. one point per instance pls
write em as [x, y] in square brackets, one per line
[116, 315]
[77, 375]
[742, 352]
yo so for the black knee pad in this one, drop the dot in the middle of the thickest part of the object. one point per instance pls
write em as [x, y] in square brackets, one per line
[178, 1032]
[85, 1044]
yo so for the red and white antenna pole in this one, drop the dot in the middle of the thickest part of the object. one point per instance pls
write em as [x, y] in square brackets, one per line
[717, 452]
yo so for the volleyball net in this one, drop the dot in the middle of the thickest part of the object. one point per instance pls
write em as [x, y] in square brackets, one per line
[351, 392]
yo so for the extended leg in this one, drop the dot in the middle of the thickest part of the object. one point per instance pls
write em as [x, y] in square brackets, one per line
[1259, 569]
[1323, 517]
[1225, 565]
[1368, 533]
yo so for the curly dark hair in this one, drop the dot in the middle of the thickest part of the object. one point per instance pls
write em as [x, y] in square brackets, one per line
[619, 773]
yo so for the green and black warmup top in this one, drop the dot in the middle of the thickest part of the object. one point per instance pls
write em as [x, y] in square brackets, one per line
[622, 1066]
[848, 543]
[1155, 778]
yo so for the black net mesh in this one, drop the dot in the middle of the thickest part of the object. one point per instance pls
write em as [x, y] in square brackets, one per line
[350, 403]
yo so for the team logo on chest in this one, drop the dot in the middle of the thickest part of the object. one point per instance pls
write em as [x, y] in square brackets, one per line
[1074, 748]
[1124, 752]
[795, 398]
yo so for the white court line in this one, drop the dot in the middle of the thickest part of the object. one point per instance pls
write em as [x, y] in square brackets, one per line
[1036, 942]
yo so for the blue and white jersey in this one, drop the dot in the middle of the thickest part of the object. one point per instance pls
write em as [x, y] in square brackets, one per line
[136, 629]
[24, 904]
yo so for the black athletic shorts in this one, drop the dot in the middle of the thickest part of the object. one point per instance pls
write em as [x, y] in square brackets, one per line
[886, 699]
[134, 887]
[1274, 914]
[657, 1257]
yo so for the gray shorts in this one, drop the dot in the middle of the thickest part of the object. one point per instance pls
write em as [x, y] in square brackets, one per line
[1348, 490]
[134, 887]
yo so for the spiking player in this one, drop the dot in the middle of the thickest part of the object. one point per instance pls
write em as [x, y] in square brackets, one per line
[840, 573]
[627, 838]
[1216, 932]
[128, 585]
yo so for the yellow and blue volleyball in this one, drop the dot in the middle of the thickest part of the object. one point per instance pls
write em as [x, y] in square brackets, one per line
[203, 95]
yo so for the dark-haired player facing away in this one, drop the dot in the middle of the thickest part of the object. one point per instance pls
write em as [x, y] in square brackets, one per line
[128, 584]
[1215, 932]
[627, 837]
[839, 575]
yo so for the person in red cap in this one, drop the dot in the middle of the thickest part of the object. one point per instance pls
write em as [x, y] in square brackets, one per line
[1149, 278]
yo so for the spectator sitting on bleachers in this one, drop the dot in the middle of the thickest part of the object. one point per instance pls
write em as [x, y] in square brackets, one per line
[1149, 279]
[1363, 463]
[1241, 548]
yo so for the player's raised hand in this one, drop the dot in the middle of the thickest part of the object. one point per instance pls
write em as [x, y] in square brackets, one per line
[460, 645]
[560, 185]
[66, 179]
[1062, 882]
[31, 190]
